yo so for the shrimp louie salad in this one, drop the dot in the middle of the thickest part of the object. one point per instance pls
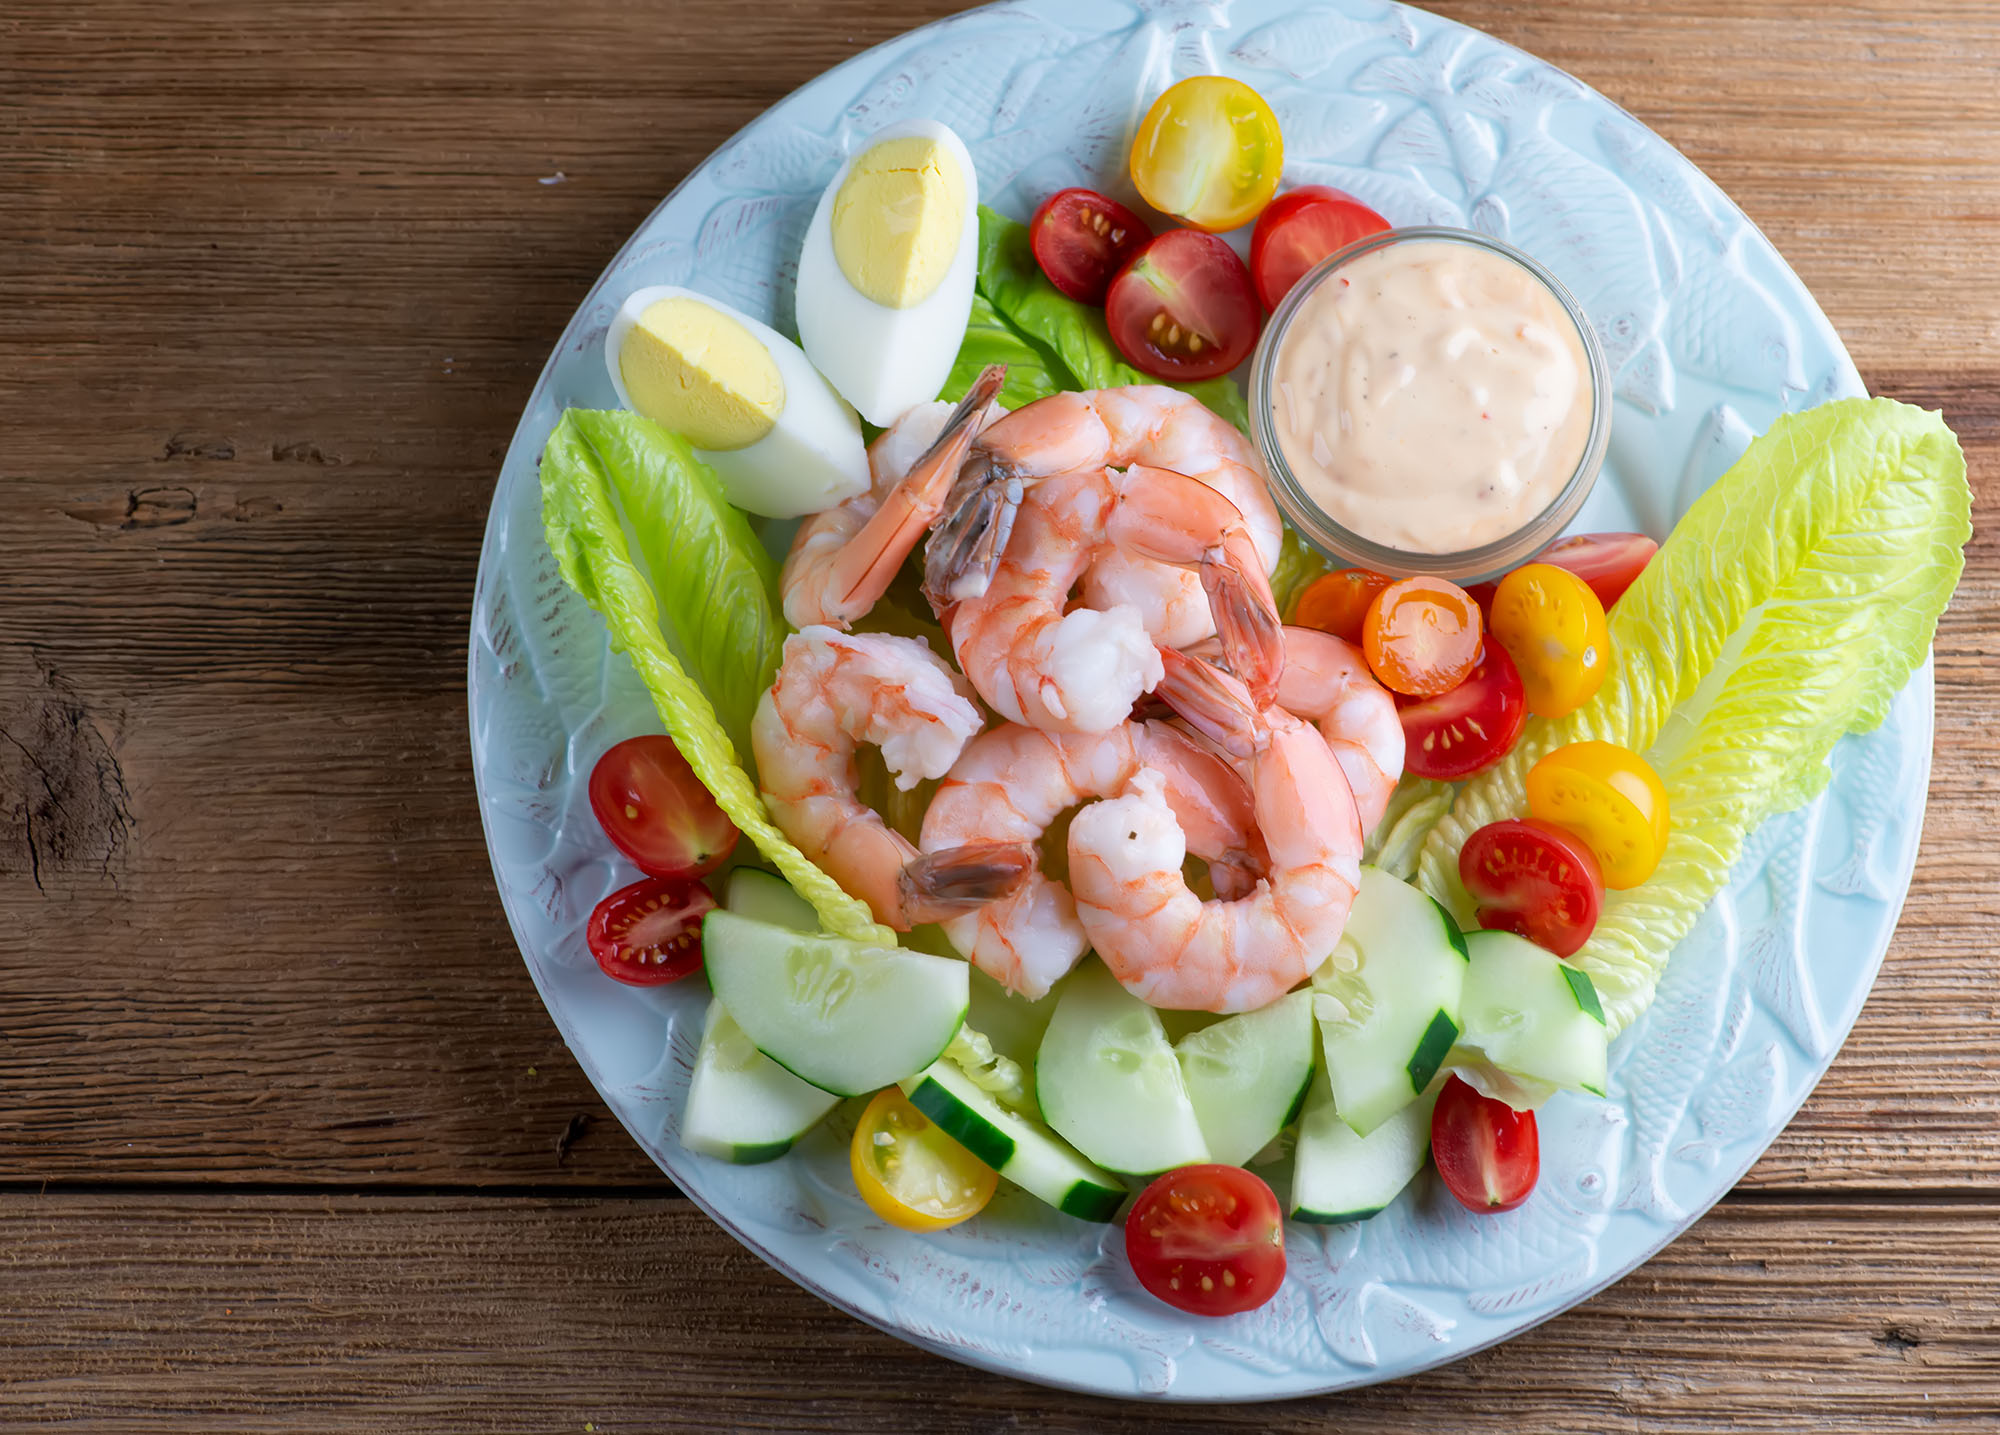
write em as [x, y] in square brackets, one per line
[1191, 803]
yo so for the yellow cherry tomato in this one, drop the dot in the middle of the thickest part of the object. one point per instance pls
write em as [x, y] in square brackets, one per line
[1611, 798]
[1552, 626]
[910, 1173]
[1209, 152]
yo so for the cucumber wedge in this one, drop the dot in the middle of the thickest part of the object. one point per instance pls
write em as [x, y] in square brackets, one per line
[1247, 1075]
[1025, 1152]
[1533, 1015]
[767, 898]
[1338, 1176]
[1108, 1082]
[1388, 1000]
[742, 1106]
[848, 1017]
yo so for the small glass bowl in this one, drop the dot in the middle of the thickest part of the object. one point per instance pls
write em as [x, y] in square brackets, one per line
[1325, 533]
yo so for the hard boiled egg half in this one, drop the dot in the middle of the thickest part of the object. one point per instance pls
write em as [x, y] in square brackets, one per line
[885, 280]
[777, 435]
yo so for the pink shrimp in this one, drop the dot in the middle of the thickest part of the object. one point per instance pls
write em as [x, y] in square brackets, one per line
[835, 691]
[842, 560]
[1012, 782]
[1161, 940]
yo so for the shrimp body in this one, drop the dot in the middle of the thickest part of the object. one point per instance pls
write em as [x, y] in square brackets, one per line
[835, 691]
[1012, 782]
[1162, 941]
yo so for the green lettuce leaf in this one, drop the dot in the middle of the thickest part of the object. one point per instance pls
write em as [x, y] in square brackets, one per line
[1032, 371]
[1074, 333]
[1789, 606]
[715, 580]
[1297, 566]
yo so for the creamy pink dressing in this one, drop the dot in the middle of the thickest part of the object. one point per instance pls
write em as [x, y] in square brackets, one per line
[1432, 396]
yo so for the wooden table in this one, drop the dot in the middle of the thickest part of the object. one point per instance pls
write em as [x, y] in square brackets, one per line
[289, 1141]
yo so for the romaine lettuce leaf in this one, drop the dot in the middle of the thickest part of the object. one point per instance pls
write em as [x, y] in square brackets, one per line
[1074, 333]
[1788, 607]
[1297, 566]
[715, 580]
[1032, 372]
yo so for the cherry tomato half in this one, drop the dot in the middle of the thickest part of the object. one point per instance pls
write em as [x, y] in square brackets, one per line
[1473, 726]
[1081, 239]
[649, 934]
[1489, 1154]
[1534, 879]
[1611, 798]
[1421, 636]
[1209, 151]
[655, 810]
[1608, 562]
[1337, 602]
[910, 1173]
[1298, 229]
[1209, 1240]
[1183, 309]
[1553, 628]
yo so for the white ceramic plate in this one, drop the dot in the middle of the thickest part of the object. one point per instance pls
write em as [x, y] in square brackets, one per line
[1710, 336]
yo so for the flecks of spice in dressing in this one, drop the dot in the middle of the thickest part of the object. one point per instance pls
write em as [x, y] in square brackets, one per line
[1433, 396]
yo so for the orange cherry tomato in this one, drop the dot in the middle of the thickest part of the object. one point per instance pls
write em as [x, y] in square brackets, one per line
[1209, 152]
[1421, 636]
[1552, 626]
[910, 1173]
[1337, 602]
[1611, 798]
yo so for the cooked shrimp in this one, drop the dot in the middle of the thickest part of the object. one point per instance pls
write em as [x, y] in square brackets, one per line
[1327, 681]
[1011, 783]
[1080, 670]
[1145, 424]
[1162, 941]
[842, 560]
[835, 691]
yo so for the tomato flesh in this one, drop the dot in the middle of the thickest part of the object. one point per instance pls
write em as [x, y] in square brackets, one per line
[1209, 1240]
[1337, 602]
[910, 1172]
[1298, 229]
[1608, 562]
[1081, 239]
[1533, 878]
[1489, 1154]
[1183, 309]
[1552, 626]
[656, 811]
[1468, 728]
[649, 934]
[1611, 799]
[1421, 636]
[1209, 152]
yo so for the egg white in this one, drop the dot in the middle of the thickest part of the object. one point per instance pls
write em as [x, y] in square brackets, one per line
[812, 458]
[885, 361]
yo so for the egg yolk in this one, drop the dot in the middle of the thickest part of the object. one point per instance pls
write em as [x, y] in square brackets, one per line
[699, 372]
[897, 220]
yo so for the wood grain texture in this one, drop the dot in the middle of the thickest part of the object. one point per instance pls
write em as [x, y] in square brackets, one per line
[275, 280]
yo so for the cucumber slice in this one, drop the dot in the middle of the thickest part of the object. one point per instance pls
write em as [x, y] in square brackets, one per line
[1388, 1000]
[1108, 1082]
[768, 898]
[1533, 1015]
[1247, 1075]
[742, 1106]
[1025, 1152]
[848, 1017]
[1338, 1176]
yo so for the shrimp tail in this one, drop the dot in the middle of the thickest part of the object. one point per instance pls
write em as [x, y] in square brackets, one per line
[956, 880]
[1214, 703]
[966, 545]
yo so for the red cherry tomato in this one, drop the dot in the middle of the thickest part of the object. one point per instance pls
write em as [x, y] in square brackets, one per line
[1489, 1154]
[655, 810]
[1209, 1240]
[1337, 602]
[1608, 562]
[1535, 879]
[1473, 726]
[1301, 227]
[649, 934]
[1081, 239]
[1183, 308]
[1421, 636]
